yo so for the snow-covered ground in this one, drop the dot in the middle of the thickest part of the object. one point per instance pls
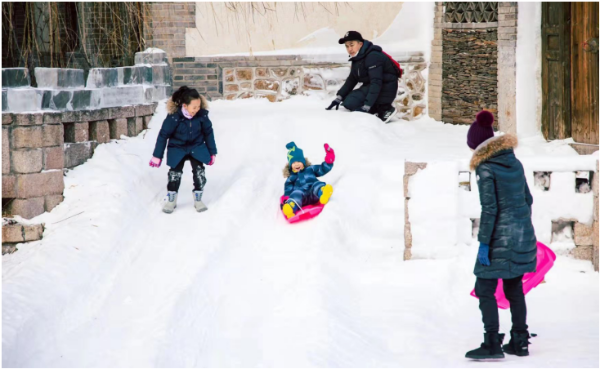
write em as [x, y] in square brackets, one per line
[117, 283]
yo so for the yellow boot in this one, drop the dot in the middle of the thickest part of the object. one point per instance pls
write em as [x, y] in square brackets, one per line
[326, 192]
[288, 209]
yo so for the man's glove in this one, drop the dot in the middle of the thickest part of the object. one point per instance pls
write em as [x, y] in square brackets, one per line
[336, 103]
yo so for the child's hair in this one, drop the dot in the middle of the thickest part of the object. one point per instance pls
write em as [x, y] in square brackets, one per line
[185, 95]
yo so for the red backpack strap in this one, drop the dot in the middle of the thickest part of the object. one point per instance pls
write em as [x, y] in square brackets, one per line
[396, 64]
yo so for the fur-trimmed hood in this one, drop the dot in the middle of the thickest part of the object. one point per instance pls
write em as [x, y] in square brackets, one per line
[172, 107]
[287, 172]
[492, 146]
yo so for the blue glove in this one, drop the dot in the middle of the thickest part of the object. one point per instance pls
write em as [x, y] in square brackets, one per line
[483, 254]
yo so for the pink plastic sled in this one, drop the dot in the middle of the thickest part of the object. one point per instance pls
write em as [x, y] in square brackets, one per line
[307, 212]
[545, 261]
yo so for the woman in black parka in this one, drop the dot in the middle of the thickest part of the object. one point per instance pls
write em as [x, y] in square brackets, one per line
[507, 239]
[378, 75]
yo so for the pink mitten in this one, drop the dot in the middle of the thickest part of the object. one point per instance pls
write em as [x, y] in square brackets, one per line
[330, 155]
[212, 159]
[155, 162]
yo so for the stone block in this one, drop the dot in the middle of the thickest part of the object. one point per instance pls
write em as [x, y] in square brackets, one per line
[123, 95]
[56, 78]
[121, 112]
[9, 187]
[54, 157]
[26, 137]
[100, 131]
[15, 233]
[118, 127]
[146, 121]
[5, 151]
[15, 77]
[94, 115]
[411, 168]
[582, 252]
[583, 234]
[595, 183]
[77, 154]
[24, 99]
[52, 201]
[7, 119]
[134, 126]
[28, 119]
[244, 74]
[77, 132]
[52, 135]
[27, 161]
[265, 84]
[40, 184]
[142, 110]
[27, 208]
[102, 77]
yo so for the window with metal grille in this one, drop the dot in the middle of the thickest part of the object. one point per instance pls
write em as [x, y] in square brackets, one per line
[470, 12]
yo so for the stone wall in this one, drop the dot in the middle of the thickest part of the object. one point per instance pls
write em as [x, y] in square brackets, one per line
[166, 26]
[434, 90]
[37, 147]
[469, 73]
[280, 77]
[554, 186]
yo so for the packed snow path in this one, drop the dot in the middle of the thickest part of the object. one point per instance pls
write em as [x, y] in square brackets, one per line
[117, 283]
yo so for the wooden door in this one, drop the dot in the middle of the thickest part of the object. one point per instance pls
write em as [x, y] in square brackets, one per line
[556, 76]
[584, 72]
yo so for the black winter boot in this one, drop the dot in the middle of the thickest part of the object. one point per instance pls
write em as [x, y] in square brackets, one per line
[518, 344]
[491, 348]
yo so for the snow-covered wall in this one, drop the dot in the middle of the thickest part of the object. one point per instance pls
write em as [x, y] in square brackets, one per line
[441, 212]
[529, 69]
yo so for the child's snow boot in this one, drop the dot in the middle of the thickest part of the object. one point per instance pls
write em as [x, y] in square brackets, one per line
[198, 204]
[325, 193]
[289, 209]
[518, 344]
[491, 348]
[170, 202]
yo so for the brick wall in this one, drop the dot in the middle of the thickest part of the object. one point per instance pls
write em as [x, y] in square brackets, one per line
[278, 77]
[166, 25]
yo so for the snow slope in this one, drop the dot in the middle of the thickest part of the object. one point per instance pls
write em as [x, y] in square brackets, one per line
[117, 283]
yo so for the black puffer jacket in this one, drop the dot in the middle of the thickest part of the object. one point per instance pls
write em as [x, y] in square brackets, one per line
[505, 210]
[373, 68]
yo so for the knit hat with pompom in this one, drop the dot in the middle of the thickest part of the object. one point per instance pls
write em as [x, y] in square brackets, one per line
[481, 129]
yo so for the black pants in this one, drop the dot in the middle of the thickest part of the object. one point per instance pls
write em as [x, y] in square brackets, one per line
[176, 173]
[356, 99]
[513, 290]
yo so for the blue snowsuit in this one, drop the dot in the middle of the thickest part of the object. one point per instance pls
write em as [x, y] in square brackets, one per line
[303, 187]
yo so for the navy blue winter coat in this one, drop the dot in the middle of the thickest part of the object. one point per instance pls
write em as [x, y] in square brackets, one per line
[505, 222]
[376, 72]
[193, 137]
[305, 179]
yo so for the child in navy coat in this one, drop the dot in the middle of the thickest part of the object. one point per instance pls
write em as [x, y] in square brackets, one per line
[188, 134]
